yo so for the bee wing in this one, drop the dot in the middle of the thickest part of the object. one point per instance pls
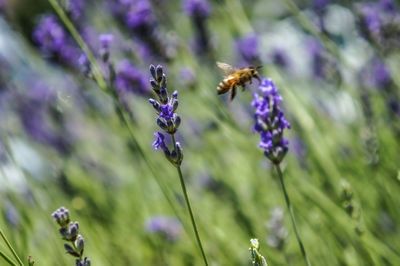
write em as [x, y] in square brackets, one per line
[226, 68]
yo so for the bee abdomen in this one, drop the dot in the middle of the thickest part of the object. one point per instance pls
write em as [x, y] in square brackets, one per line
[223, 87]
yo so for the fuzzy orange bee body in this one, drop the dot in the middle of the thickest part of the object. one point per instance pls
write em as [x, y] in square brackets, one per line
[235, 78]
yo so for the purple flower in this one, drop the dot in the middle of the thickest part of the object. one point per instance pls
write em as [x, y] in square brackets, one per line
[380, 74]
[319, 61]
[247, 47]
[69, 231]
[76, 8]
[198, 8]
[160, 141]
[387, 5]
[106, 39]
[187, 76]
[270, 121]
[319, 6]
[140, 15]
[130, 79]
[49, 34]
[371, 18]
[54, 42]
[167, 119]
[167, 227]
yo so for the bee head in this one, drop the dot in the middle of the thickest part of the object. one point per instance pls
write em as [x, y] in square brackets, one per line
[254, 72]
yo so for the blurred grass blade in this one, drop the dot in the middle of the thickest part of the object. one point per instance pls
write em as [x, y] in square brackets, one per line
[11, 248]
[6, 258]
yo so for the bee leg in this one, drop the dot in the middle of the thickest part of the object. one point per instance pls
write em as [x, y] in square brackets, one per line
[244, 87]
[233, 93]
[258, 77]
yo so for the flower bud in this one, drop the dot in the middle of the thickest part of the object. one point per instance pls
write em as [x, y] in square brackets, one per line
[159, 73]
[79, 243]
[71, 250]
[155, 104]
[153, 71]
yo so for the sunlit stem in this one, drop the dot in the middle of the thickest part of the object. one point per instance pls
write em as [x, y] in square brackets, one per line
[289, 206]
[189, 207]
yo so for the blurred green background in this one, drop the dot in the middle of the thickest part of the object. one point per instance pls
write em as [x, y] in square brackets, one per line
[342, 170]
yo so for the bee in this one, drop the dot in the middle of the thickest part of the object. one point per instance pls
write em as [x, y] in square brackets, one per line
[236, 77]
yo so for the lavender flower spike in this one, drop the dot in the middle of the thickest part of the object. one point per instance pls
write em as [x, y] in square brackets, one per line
[169, 121]
[70, 233]
[270, 121]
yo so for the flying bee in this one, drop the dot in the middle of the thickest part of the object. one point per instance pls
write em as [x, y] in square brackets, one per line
[236, 77]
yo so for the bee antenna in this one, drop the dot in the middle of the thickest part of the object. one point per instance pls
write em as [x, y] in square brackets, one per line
[258, 67]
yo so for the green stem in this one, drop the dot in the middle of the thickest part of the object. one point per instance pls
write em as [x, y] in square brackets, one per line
[289, 206]
[189, 207]
[11, 248]
[6, 258]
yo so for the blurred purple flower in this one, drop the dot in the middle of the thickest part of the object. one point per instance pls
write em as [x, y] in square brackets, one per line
[319, 6]
[270, 121]
[140, 16]
[76, 8]
[370, 17]
[49, 34]
[387, 5]
[130, 79]
[380, 74]
[197, 8]
[106, 39]
[187, 76]
[168, 227]
[318, 59]
[33, 108]
[53, 41]
[11, 214]
[247, 47]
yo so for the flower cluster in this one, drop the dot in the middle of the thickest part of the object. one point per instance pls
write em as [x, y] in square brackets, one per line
[270, 121]
[70, 232]
[168, 228]
[167, 119]
[54, 42]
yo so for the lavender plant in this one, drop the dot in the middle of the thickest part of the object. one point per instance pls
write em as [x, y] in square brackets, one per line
[169, 122]
[69, 231]
[270, 123]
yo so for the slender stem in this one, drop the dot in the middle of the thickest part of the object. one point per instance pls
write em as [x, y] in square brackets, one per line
[289, 206]
[190, 208]
[6, 258]
[11, 248]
